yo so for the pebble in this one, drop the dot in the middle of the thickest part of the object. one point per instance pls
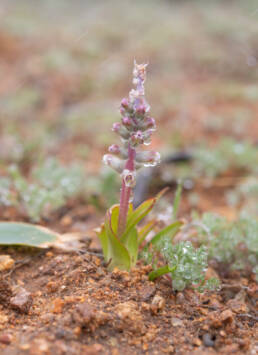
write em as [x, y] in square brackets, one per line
[95, 349]
[88, 317]
[146, 292]
[39, 346]
[22, 301]
[180, 298]
[84, 313]
[58, 305]
[207, 340]
[5, 338]
[197, 342]
[3, 319]
[6, 262]
[177, 322]
[126, 310]
[226, 316]
[159, 302]
[130, 316]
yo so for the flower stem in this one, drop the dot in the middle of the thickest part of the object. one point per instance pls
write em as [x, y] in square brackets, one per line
[125, 194]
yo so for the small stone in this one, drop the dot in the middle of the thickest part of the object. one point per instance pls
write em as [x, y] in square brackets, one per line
[177, 322]
[180, 298]
[238, 304]
[25, 346]
[222, 333]
[145, 346]
[125, 310]
[145, 306]
[49, 254]
[88, 317]
[39, 346]
[5, 338]
[197, 342]
[226, 316]
[95, 349]
[146, 292]
[52, 286]
[157, 304]
[47, 317]
[97, 261]
[58, 305]
[3, 319]
[113, 342]
[6, 262]
[66, 221]
[244, 344]
[230, 349]
[77, 331]
[207, 340]
[85, 313]
[22, 301]
[130, 317]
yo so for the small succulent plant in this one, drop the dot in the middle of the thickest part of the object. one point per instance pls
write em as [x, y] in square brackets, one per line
[185, 265]
[48, 187]
[231, 243]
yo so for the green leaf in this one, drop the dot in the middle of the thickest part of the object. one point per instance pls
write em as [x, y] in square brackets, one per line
[131, 245]
[134, 217]
[101, 233]
[137, 215]
[114, 214]
[170, 230]
[117, 254]
[159, 272]
[15, 233]
[177, 200]
[145, 230]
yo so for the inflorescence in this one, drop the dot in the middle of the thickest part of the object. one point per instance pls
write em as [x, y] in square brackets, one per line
[135, 129]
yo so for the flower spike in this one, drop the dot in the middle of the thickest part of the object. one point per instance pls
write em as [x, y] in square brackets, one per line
[135, 129]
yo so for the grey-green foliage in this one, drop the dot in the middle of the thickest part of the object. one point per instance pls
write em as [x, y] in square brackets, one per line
[245, 193]
[48, 188]
[187, 263]
[234, 243]
[5, 192]
[227, 154]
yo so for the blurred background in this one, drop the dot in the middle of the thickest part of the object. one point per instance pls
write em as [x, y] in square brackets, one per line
[65, 66]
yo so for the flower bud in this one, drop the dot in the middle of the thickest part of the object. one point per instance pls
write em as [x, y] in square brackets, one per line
[128, 122]
[125, 103]
[137, 138]
[150, 123]
[114, 162]
[149, 158]
[147, 137]
[140, 110]
[122, 111]
[114, 149]
[129, 178]
[121, 130]
[116, 127]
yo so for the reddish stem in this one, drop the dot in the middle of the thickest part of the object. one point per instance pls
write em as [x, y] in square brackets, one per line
[125, 194]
